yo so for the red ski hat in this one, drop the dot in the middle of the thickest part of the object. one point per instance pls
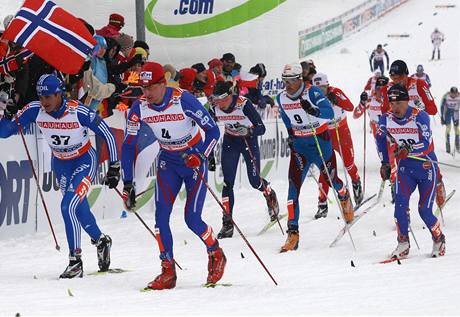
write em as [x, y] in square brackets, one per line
[151, 73]
[117, 20]
[187, 77]
[215, 63]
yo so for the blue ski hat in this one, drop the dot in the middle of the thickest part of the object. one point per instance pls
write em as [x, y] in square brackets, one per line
[49, 84]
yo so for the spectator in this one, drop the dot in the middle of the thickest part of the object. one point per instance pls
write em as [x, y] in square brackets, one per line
[308, 70]
[116, 23]
[215, 65]
[228, 62]
[126, 44]
[144, 45]
[187, 78]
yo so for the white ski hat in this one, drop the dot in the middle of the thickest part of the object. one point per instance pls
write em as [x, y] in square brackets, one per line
[293, 70]
[320, 79]
[7, 20]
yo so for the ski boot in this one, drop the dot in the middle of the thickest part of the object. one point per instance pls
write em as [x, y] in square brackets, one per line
[457, 143]
[75, 267]
[439, 241]
[322, 209]
[357, 192]
[103, 245]
[167, 278]
[292, 241]
[439, 247]
[440, 193]
[227, 228]
[272, 203]
[402, 250]
[347, 208]
[216, 265]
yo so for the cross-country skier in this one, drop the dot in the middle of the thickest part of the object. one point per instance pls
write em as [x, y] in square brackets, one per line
[342, 143]
[420, 74]
[64, 124]
[419, 97]
[175, 117]
[306, 113]
[410, 128]
[450, 105]
[437, 37]
[376, 59]
[242, 127]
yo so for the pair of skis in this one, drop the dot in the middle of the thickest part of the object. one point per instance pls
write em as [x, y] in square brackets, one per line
[347, 226]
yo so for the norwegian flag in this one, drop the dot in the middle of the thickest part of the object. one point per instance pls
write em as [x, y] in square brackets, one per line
[52, 33]
[9, 64]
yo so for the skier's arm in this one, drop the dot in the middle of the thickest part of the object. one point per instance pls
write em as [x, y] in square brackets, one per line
[427, 99]
[88, 118]
[425, 134]
[128, 149]
[381, 139]
[343, 101]
[320, 101]
[27, 115]
[370, 60]
[428, 80]
[254, 117]
[195, 110]
[284, 116]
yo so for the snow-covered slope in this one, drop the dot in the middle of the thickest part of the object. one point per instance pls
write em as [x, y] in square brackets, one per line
[315, 279]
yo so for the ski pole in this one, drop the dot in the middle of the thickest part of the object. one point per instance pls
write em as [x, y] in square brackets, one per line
[38, 184]
[145, 225]
[318, 184]
[364, 156]
[145, 191]
[432, 161]
[413, 236]
[233, 222]
[330, 179]
[341, 153]
[254, 164]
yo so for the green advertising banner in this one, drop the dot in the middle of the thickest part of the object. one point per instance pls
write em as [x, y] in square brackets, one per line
[320, 39]
[225, 20]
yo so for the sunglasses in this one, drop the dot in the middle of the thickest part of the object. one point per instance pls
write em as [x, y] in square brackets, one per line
[220, 97]
[290, 81]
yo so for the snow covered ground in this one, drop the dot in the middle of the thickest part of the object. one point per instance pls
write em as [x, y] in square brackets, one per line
[315, 279]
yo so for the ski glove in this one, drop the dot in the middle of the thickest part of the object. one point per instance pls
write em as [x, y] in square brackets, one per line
[363, 97]
[403, 151]
[10, 110]
[381, 81]
[242, 131]
[193, 160]
[385, 171]
[306, 105]
[113, 175]
[332, 98]
[211, 164]
[129, 196]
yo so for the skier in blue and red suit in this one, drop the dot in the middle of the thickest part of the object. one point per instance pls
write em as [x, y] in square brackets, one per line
[173, 115]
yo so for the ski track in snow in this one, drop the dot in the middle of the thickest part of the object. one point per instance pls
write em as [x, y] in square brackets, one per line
[315, 279]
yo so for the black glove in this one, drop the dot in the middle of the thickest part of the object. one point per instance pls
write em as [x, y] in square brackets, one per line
[385, 171]
[332, 98]
[363, 97]
[11, 109]
[129, 196]
[113, 175]
[211, 163]
[120, 87]
[242, 131]
[137, 59]
[269, 100]
[309, 108]
[381, 81]
[403, 151]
